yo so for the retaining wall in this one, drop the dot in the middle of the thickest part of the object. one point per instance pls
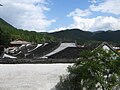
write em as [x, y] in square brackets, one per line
[35, 61]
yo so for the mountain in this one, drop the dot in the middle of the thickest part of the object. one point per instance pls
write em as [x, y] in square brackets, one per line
[13, 33]
[79, 35]
[72, 35]
[9, 33]
[109, 36]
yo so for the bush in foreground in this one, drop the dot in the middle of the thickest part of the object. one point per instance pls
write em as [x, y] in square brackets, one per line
[96, 70]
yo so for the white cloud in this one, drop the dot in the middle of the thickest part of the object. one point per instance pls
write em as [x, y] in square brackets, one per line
[99, 23]
[95, 24]
[60, 29]
[79, 12]
[26, 14]
[95, 1]
[108, 6]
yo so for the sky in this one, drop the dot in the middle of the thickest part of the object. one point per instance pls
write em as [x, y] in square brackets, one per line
[56, 15]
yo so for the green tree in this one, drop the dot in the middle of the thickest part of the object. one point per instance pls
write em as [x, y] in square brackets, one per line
[99, 69]
[4, 38]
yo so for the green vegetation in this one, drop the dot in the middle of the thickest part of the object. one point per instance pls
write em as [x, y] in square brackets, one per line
[4, 38]
[109, 36]
[96, 70]
[9, 33]
[70, 35]
[1, 50]
[87, 37]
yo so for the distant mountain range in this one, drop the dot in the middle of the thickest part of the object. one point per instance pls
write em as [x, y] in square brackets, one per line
[64, 35]
[77, 34]
[72, 35]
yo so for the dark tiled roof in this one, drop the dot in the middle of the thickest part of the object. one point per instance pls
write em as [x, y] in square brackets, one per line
[105, 43]
[68, 53]
[44, 49]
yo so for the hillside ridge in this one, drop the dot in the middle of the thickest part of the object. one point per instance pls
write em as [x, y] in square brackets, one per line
[68, 35]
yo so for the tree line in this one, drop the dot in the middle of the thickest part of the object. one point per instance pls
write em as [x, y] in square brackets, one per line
[9, 33]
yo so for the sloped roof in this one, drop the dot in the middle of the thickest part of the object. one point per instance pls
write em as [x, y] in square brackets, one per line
[106, 46]
[19, 42]
[68, 53]
[60, 48]
[8, 56]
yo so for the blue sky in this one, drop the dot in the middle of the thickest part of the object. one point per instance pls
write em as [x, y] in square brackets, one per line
[56, 15]
[61, 8]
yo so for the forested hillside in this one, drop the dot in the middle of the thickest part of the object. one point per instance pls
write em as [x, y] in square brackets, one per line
[9, 33]
[109, 36]
[86, 36]
[72, 34]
